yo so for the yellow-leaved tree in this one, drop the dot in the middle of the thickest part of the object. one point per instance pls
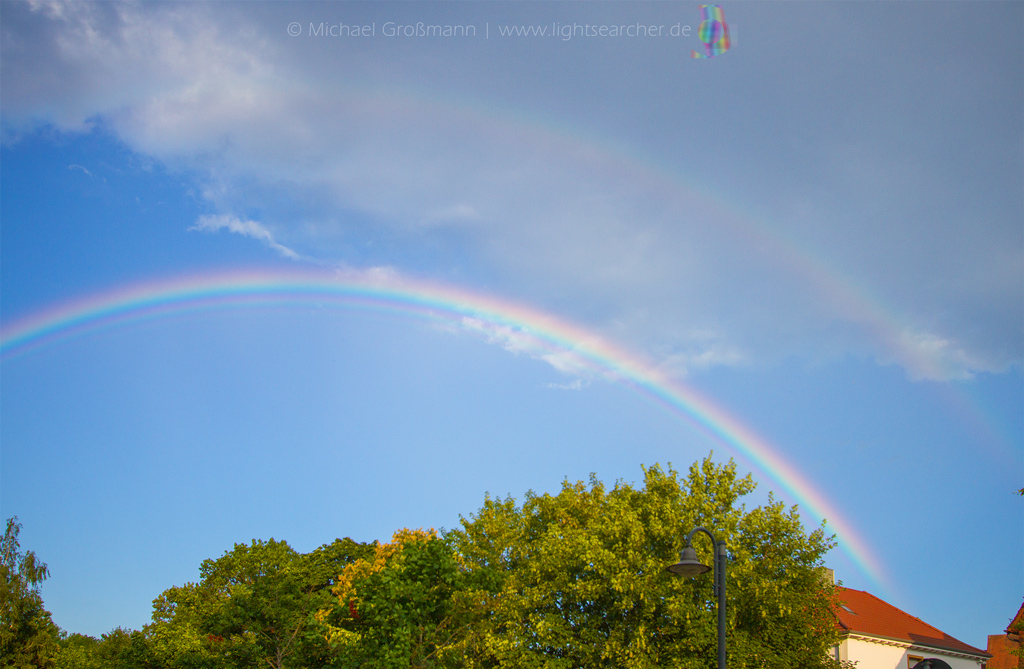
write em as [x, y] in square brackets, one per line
[578, 579]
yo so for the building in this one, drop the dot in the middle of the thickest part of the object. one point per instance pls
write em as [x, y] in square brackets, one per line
[877, 635]
[1002, 646]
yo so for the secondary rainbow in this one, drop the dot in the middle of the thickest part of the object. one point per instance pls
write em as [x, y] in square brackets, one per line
[538, 333]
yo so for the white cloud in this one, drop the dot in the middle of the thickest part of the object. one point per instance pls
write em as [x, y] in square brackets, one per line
[576, 384]
[934, 358]
[679, 364]
[522, 341]
[512, 339]
[247, 228]
[303, 132]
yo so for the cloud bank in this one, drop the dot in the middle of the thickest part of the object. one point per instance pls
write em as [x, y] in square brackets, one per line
[792, 243]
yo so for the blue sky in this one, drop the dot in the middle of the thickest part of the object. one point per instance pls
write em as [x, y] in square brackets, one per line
[818, 231]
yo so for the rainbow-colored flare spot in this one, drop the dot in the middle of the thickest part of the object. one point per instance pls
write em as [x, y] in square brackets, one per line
[713, 31]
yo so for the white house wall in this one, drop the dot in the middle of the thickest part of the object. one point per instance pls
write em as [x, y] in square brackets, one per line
[871, 653]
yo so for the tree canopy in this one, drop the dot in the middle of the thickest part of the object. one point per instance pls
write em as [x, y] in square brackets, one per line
[411, 604]
[254, 606]
[573, 579]
[578, 579]
[28, 637]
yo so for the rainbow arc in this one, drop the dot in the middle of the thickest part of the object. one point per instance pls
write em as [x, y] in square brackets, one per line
[517, 327]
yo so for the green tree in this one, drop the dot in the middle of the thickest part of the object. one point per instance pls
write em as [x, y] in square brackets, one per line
[76, 652]
[253, 606]
[259, 591]
[178, 637]
[124, 649]
[410, 605]
[581, 582]
[28, 637]
[117, 649]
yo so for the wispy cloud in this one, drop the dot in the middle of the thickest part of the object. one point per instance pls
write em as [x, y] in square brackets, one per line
[576, 384]
[247, 228]
[933, 358]
[512, 339]
[521, 341]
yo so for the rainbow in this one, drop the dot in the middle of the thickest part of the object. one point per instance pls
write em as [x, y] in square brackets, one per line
[515, 326]
[849, 300]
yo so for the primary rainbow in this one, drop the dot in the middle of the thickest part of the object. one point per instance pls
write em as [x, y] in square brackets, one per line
[516, 326]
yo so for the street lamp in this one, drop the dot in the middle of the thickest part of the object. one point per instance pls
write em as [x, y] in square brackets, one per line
[689, 565]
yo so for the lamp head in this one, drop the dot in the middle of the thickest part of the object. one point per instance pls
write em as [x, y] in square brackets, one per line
[688, 564]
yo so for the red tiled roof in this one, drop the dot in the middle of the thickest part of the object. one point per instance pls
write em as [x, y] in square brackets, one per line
[864, 613]
[1017, 624]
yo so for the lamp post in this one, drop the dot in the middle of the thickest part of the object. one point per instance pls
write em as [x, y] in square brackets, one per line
[689, 565]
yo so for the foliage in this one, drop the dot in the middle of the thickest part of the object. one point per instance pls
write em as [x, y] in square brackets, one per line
[578, 579]
[583, 580]
[571, 580]
[124, 649]
[410, 604]
[76, 652]
[28, 637]
[254, 606]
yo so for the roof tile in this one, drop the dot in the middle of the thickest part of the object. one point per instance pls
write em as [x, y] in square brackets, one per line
[863, 613]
